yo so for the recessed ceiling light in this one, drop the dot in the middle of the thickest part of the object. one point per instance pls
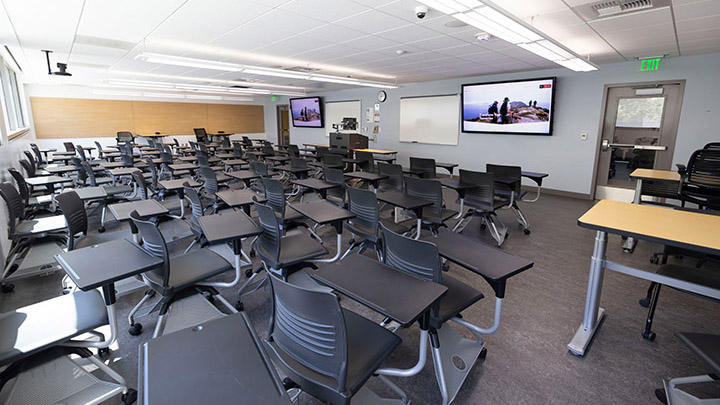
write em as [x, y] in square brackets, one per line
[455, 24]
[401, 52]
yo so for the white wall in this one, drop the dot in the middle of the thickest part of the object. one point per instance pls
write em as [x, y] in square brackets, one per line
[567, 158]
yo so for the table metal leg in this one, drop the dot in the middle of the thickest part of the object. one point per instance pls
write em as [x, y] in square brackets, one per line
[337, 254]
[462, 206]
[593, 313]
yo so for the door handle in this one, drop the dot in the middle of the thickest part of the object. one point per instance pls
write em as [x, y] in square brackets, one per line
[649, 147]
[607, 145]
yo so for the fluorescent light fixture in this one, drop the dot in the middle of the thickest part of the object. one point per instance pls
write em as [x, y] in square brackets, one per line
[556, 49]
[249, 91]
[255, 70]
[541, 51]
[507, 22]
[238, 98]
[122, 82]
[164, 95]
[577, 65]
[207, 80]
[201, 97]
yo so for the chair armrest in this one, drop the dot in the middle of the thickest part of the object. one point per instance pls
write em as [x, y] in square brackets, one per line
[681, 169]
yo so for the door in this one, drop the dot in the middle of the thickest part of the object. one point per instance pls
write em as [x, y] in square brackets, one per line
[283, 118]
[638, 131]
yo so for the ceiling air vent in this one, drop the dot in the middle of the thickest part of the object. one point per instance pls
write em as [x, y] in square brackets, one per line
[613, 8]
[301, 69]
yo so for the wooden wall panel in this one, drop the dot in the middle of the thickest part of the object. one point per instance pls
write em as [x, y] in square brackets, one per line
[80, 118]
[239, 119]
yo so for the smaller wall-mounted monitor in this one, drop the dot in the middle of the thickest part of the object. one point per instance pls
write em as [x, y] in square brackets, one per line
[307, 112]
[511, 107]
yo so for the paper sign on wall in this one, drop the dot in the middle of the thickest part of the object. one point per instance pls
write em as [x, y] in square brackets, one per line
[368, 114]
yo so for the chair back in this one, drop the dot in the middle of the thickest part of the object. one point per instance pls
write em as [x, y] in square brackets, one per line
[89, 173]
[237, 150]
[128, 160]
[417, 258]
[154, 244]
[321, 151]
[712, 145]
[196, 206]
[81, 153]
[259, 168]
[226, 141]
[332, 160]
[485, 192]
[73, 209]
[124, 136]
[176, 142]
[275, 195]
[335, 176]
[364, 204]
[293, 151]
[268, 150]
[427, 189]
[81, 176]
[200, 135]
[14, 202]
[153, 172]
[141, 185]
[701, 181]
[203, 148]
[210, 185]
[22, 185]
[202, 160]
[246, 141]
[31, 159]
[309, 326]
[510, 174]
[100, 150]
[425, 166]
[368, 161]
[28, 167]
[251, 157]
[166, 158]
[69, 147]
[394, 180]
[268, 243]
[38, 155]
[298, 163]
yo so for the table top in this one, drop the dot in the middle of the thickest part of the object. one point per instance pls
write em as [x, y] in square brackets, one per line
[650, 174]
[446, 165]
[177, 184]
[112, 165]
[456, 184]
[392, 293]
[46, 150]
[224, 155]
[123, 171]
[63, 153]
[145, 208]
[370, 176]
[378, 151]
[291, 169]
[322, 212]
[277, 158]
[182, 166]
[233, 162]
[317, 145]
[91, 193]
[153, 135]
[313, 183]
[61, 169]
[238, 198]
[86, 147]
[228, 226]
[43, 180]
[243, 174]
[120, 259]
[533, 175]
[402, 200]
[678, 228]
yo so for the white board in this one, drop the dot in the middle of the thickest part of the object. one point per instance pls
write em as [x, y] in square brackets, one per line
[433, 119]
[335, 111]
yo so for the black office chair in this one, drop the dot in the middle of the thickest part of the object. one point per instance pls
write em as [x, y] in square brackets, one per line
[329, 351]
[275, 194]
[421, 259]
[332, 161]
[508, 185]
[481, 202]
[175, 275]
[712, 145]
[435, 215]
[368, 161]
[707, 348]
[30, 169]
[210, 187]
[33, 201]
[146, 193]
[197, 210]
[69, 147]
[700, 180]
[365, 227]
[423, 167]
[293, 151]
[335, 195]
[124, 137]
[394, 180]
[38, 155]
[200, 135]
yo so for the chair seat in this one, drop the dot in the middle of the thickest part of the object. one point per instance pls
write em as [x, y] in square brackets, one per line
[368, 346]
[37, 226]
[295, 249]
[705, 346]
[191, 268]
[36, 327]
[438, 218]
[172, 204]
[459, 297]
[506, 194]
[115, 190]
[222, 177]
[40, 200]
[483, 206]
[705, 276]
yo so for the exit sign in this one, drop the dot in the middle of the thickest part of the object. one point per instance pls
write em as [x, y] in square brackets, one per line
[647, 65]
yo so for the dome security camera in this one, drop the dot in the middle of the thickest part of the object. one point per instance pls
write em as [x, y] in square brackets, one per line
[421, 12]
[482, 37]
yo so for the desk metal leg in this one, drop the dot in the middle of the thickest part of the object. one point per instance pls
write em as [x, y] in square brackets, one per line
[419, 228]
[462, 206]
[630, 242]
[337, 254]
[593, 313]
[537, 196]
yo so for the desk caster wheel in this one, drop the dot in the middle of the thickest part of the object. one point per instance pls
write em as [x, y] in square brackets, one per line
[7, 288]
[129, 397]
[103, 353]
[526, 231]
[101, 229]
[289, 384]
[649, 335]
[644, 302]
[240, 306]
[483, 353]
[248, 273]
[135, 329]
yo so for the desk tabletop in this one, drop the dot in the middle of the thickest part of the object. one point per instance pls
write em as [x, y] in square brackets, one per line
[123, 171]
[650, 174]
[317, 145]
[446, 165]
[322, 212]
[44, 180]
[177, 184]
[683, 229]
[402, 200]
[182, 166]
[291, 169]
[370, 176]
[243, 174]
[228, 226]
[46, 150]
[224, 155]
[276, 158]
[378, 151]
[145, 208]
[235, 162]
[61, 169]
[120, 259]
[392, 293]
[313, 183]
[238, 198]
[533, 175]
[91, 193]
[456, 184]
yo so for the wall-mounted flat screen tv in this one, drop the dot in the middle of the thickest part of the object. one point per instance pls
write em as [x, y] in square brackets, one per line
[307, 112]
[510, 107]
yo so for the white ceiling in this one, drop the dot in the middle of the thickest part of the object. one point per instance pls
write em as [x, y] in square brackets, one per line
[100, 38]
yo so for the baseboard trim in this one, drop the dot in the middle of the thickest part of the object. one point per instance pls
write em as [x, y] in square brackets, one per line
[532, 189]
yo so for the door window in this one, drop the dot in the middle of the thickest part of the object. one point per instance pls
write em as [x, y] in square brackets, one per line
[642, 112]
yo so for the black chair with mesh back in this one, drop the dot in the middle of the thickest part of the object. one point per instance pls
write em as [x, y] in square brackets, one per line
[368, 161]
[421, 259]
[38, 155]
[176, 274]
[435, 215]
[423, 167]
[246, 142]
[280, 254]
[508, 186]
[69, 147]
[700, 179]
[34, 201]
[328, 351]
[365, 227]
[37, 166]
[332, 161]
[101, 151]
[712, 145]
[481, 202]
[124, 137]
[200, 135]
[293, 151]
[237, 150]
[394, 181]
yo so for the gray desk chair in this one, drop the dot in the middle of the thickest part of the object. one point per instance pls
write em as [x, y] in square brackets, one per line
[38, 155]
[147, 193]
[175, 275]
[197, 210]
[481, 202]
[293, 151]
[38, 168]
[421, 259]
[200, 135]
[394, 180]
[433, 216]
[114, 193]
[335, 195]
[69, 147]
[329, 351]
[34, 202]
[301, 164]
[368, 161]
[700, 179]
[508, 181]
[124, 136]
[365, 227]
[712, 145]
[275, 194]
[280, 254]
[332, 161]
[425, 167]
[211, 186]
[707, 348]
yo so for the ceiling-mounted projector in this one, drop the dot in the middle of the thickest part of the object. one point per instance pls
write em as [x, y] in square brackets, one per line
[62, 67]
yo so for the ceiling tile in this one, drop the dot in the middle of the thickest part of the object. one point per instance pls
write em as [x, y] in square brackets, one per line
[325, 11]
[371, 22]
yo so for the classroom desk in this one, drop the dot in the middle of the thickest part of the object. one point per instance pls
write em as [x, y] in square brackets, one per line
[320, 186]
[225, 354]
[145, 208]
[178, 185]
[538, 179]
[46, 151]
[682, 229]
[323, 212]
[659, 183]
[377, 151]
[278, 159]
[229, 227]
[372, 178]
[450, 167]
[112, 165]
[60, 170]
[240, 198]
[91, 193]
[406, 202]
[245, 175]
[460, 187]
[47, 181]
[182, 166]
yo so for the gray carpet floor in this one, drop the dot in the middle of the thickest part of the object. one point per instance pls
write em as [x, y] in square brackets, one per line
[527, 361]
